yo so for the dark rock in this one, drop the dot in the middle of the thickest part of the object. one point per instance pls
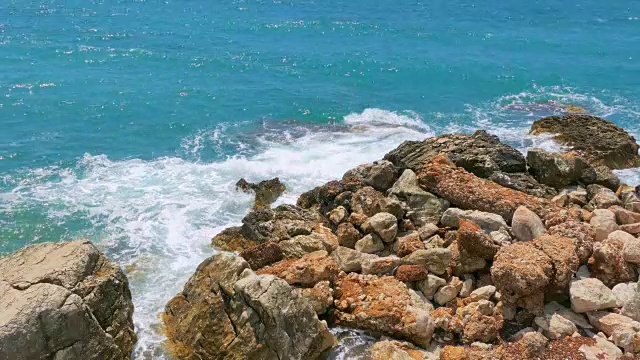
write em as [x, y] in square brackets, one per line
[348, 235]
[369, 201]
[523, 182]
[480, 153]
[599, 141]
[550, 168]
[380, 175]
[262, 255]
[267, 191]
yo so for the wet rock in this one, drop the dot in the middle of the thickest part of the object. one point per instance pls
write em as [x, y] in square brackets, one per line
[266, 191]
[370, 244]
[225, 310]
[469, 192]
[435, 260]
[262, 255]
[474, 241]
[320, 296]
[550, 168]
[423, 208]
[410, 273]
[480, 153]
[430, 285]
[407, 244]
[521, 273]
[603, 223]
[608, 265]
[388, 307]
[613, 146]
[526, 225]
[488, 222]
[347, 235]
[383, 224]
[380, 175]
[64, 301]
[590, 295]
[350, 260]
[307, 271]
[380, 265]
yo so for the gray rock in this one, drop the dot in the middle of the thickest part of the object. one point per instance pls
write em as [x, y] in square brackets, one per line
[226, 311]
[266, 191]
[380, 265]
[382, 224]
[488, 222]
[64, 301]
[604, 223]
[380, 175]
[370, 244]
[445, 294]
[430, 285]
[624, 292]
[578, 197]
[436, 260]
[591, 295]
[427, 231]
[631, 249]
[526, 225]
[579, 320]
[483, 293]
[467, 288]
[601, 197]
[550, 168]
[559, 327]
[303, 244]
[631, 308]
[350, 260]
[423, 207]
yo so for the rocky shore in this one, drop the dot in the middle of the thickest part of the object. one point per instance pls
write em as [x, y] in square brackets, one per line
[455, 247]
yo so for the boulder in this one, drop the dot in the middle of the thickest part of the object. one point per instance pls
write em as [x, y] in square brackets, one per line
[266, 191]
[370, 244]
[350, 260]
[603, 223]
[633, 229]
[320, 296]
[380, 265]
[64, 301]
[613, 146]
[396, 350]
[488, 222]
[423, 208]
[624, 292]
[622, 330]
[561, 251]
[523, 182]
[560, 327]
[526, 225]
[607, 263]
[479, 153]
[474, 241]
[380, 175]
[369, 201]
[550, 168]
[467, 191]
[347, 235]
[624, 216]
[262, 255]
[631, 307]
[407, 244]
[601, 197]
[591, 295]
[411, 273]
[383, 224]
[436, 260]
[226, 311]
[631, 247]
[582, 235]
[384, 305]
[307, 271]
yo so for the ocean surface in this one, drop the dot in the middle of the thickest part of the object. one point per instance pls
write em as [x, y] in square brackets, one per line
[128, 122]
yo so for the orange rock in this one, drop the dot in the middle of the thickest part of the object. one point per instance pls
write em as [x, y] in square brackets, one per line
[306, 271]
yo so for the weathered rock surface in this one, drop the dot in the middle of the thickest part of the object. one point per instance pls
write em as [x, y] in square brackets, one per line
[480, 153]
[384, 305]
[307, 271]
[383, 224]
[262, 255]
[582, 235]
[591, 295]
[561, 251]
[613, 146]
[350, 260]
[226, 311]
[607, 263]
[550, 168]
[423, 208]
[64, 301]
[380, 175]
[474, 241]
[488, 222]
[526, 225]
[603, 223]
[266, 191]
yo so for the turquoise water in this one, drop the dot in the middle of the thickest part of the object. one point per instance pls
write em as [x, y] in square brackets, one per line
[128, 122]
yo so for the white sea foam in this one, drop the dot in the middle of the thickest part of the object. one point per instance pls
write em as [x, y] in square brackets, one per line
[156, 218]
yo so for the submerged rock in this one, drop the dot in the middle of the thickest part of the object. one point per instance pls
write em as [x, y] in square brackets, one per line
[64, 301]
[226, 311]
[613, 146]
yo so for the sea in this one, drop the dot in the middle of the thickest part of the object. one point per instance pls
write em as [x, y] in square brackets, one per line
[128, 122]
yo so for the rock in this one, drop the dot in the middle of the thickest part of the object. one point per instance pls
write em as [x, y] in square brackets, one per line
[347, 235]
[606, 178]
[369, 202]
[519, 271]
[331, 195]
[464, 263]
[395, 350]
[590, 295]
[562, 199]
[427, 231]
[480, 153]
[624, 216]
[430, 285]
[350, 260]
[603, 198]
[488, 222]
[604, 223]
[357, 219]
[382, 224]
[423, 208]
[435, 260]
[407, 244]
[483, 328]
[531, 344]
[262, 255]
[631, 248]
[550, 168]
[526, 225]
[380, 175]
[304, 244]
[613, 146]
[338, 215]
[226, 311]
[370, 244]
[469, 192]
[474, 241]
[267, 191]
[602, 350]
[631, 307]
[581, 233]
[388, 307]
[624, 332]
[633, 229]
[380, 265]
[483, 293]
[523, 182]
[232, 239]
[445, 294]
[607, 263]
[578, 320]
[578, 197]
[307, 271]
[64, 301]
[467, 287]
[624, 292]
[560, 327]
[320, 296]
[500, 238]
[410, 273]
[561, 251]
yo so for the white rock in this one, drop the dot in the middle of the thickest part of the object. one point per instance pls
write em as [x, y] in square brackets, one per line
[445, 294]
[488, 222]
[604, 223]
[624, 292]
[560, 327]
[483, 293]
[383, 224]
[430, 285]
[590, 295]
[631, 249]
